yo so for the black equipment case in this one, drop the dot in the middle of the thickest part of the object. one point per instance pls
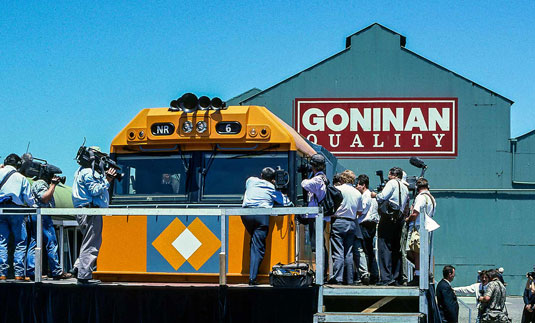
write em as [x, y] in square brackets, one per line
[291, 275]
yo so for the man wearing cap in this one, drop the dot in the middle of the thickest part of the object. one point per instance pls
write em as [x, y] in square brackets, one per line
[316, 186]
[395, 194]
[260, 193]
[15, 191]
[90, 190]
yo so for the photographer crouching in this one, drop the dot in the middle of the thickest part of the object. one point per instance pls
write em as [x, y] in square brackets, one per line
[45, 182]
[90, 190]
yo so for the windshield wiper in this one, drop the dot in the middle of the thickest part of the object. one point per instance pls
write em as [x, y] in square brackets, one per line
[256, 152]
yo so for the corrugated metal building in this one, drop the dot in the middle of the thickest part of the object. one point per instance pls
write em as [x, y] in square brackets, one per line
[486, 219]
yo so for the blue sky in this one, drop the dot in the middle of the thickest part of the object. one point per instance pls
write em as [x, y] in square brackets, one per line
[70, 70]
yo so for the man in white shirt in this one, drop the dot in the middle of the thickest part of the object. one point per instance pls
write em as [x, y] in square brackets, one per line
[15, 191]
[367, 222]
[389, 229]
[343, 228]
[424, 204]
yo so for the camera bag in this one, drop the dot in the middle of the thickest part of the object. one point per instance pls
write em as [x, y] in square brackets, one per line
[388, 208]
[293, 275]
[332, 200]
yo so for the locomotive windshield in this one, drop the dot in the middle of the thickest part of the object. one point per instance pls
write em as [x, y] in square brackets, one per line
[191, 177]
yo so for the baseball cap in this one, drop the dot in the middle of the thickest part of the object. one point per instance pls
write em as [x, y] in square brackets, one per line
[317, 159]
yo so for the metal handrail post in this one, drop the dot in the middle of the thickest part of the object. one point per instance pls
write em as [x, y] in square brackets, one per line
[38, 249]
[468, 308]
[424, 265]
[319, 248]
[61, 247]
[319, 258]
[223, 253]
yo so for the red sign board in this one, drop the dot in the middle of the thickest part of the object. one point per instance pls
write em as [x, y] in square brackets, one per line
[380, 127]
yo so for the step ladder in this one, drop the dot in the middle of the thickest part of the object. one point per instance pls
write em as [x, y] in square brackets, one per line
[338, 303]
[343, 303]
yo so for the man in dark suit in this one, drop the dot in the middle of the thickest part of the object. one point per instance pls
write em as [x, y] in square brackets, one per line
[446, 298]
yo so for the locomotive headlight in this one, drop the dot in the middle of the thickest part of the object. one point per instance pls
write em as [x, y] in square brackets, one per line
[187, 127]
[201, 126]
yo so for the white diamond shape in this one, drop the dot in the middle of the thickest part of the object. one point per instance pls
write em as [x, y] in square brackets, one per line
[186, 244]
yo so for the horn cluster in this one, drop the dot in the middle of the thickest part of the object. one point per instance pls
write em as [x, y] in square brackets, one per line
[190, 103]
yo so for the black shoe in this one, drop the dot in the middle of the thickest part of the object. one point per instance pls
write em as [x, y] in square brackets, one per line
[253, 283]
[382, 283]
[88, 281]
[374, 280]
[365, 280]
[415, 281]
[402, 282]
[74, 271]
[393, 283]
[333, 281]
[357, 283]
[63, 275]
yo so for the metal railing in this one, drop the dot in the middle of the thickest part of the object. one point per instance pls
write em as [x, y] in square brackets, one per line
[426, 253]
[220, 212]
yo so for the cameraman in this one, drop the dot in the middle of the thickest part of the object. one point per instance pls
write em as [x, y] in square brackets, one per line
[528, 315]
[316, 186]
[43, 193]
[260, 193]
[90, 190]
[394, 197]
[15, 190]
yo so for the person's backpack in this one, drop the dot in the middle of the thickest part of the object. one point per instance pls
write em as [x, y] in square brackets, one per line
[332, 200]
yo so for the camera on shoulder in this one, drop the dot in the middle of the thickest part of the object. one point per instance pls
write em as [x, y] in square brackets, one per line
[88, 157]
[40, 169]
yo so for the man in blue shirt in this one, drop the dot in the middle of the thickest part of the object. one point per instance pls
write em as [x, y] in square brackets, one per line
[260, 193]
[15, 190]
[90, 190]
[43, 193]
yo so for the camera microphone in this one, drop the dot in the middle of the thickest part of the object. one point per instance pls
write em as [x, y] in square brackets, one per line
[417, 162]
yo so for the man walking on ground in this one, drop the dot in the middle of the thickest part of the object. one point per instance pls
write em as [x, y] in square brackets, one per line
[446, 298]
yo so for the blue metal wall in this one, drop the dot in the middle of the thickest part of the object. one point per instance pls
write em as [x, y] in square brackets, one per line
[479, 229]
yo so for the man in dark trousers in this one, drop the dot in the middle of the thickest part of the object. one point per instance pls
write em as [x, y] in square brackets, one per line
[394, 194]
[260, 193]
[446, 298]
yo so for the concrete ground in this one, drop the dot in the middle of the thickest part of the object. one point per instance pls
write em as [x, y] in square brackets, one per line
[514, 304]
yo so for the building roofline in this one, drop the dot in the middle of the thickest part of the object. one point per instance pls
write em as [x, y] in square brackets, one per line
[402, 39]
[295, 75]
[527, 134]
[458, 75]
[244, 93]
[402, 45]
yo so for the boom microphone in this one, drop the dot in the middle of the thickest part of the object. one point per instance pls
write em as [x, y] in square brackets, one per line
[417, 162]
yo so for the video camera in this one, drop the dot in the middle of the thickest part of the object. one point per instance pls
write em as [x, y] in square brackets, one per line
[88, 157]
[414, 161]
[282, 178]
[39, 169]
